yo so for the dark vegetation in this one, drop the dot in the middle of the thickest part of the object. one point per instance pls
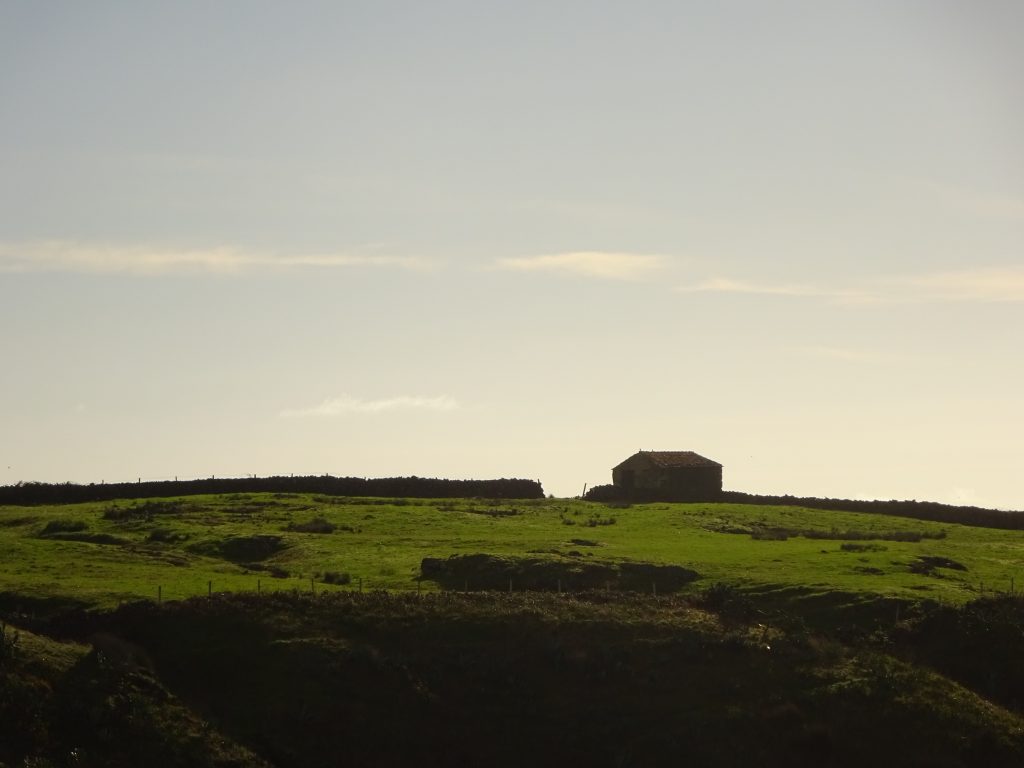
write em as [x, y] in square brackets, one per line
[9, 639]
[166, 536]
[782, 533]
[928, 564]
[63, 705]
[920, 510]
[334, 577]
[242, 549]
[601, 679]
[980, 645]
[27, 494]
[63, 526]
[316, 525]
[144, 510]
[491, 572]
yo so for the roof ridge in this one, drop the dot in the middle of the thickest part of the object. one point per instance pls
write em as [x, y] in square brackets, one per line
[676, 459]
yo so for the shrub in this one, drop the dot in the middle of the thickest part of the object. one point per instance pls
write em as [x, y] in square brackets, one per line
[116, 513]
[497, 572]
[335, 577]
[275, 571]
[64, 525]
[241, 549]
[493, 511]
[718, 595]
[166, 535]
[724, 526]
[727, 601]
[316, 525]
[9, 640]
[770, 534]
[852, 547]
[605, 493]
[144, 511]
[927, 565]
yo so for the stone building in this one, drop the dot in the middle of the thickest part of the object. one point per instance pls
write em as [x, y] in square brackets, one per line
[669, 476]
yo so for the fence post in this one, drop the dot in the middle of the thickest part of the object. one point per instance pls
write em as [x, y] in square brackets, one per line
[159, 594]
[654, 588]
[360, 585]
[209, 589]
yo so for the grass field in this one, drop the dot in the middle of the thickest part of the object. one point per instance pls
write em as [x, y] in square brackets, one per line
[104, 553]
[809, 637]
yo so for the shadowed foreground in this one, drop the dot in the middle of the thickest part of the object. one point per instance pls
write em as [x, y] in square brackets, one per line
[479, 679]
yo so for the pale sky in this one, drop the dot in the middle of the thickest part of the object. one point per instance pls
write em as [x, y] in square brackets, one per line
[516, 239]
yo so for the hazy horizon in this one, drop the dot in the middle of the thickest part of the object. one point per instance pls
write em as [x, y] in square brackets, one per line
[482, 240]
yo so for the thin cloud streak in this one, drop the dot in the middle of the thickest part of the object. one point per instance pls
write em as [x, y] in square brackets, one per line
[982, 285]
[344, 404]
[66, 256]
[728, 285]
[606, 265]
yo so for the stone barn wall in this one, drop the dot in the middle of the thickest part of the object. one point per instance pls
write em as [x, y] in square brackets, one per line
[642, 476]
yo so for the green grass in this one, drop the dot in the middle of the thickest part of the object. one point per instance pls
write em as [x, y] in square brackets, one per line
[796, 646]
[104, 553]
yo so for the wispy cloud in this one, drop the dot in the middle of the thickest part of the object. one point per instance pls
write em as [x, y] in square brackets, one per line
[986, 284]
[728, 285]
[344, 404]
[66, 256]
[601, 264]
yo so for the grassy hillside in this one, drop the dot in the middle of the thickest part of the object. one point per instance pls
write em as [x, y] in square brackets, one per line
[376, 679]
[103, 553]
[795, 636]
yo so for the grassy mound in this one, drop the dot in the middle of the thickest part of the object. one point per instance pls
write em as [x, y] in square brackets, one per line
[491, 572]
[539, 679]
[64, 704]
[242, 549]
[182, 546]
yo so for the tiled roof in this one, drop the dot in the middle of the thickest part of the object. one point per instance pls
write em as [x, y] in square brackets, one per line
[676, 459]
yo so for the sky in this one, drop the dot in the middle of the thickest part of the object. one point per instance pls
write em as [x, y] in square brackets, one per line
[493, 239]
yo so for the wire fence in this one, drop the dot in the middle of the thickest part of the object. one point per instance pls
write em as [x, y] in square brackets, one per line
[314, 586]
